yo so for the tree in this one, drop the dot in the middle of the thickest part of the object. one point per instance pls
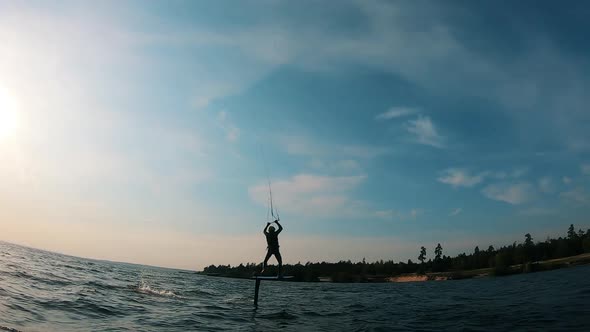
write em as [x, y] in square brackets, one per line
[422, 256]
[476, 250]
[528, 240]
[571, 232]
[491, 249]
[437, 252]
[501, 263]
[562, 249]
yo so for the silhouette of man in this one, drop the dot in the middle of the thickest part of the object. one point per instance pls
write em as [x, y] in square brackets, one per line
[272, 240]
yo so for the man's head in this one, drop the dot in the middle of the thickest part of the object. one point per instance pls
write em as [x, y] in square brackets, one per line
[271, 229]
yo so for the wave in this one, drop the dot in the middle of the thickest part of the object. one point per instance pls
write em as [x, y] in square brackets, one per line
[237, 299]
[203, 292]
[144, 288]
[9, 329]
[99, 285]
[57, 281]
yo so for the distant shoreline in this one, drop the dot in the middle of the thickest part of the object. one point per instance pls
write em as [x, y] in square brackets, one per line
[539, 266]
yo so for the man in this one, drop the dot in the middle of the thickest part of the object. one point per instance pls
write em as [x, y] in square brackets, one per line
[272, 240]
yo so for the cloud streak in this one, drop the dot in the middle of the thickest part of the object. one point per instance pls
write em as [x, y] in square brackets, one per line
[458, 177]
[514, 194]
[396, 112]
[425, 132]
[462, 177]
[455, 212]
[308, 194]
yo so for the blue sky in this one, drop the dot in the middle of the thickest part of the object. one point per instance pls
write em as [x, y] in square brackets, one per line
[145, 132]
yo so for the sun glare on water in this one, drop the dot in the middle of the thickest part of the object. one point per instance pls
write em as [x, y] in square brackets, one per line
[9, 120]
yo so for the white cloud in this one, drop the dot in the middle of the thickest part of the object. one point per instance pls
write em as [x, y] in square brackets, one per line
[425, 132]
[461, 177]
[308, 194]
[455, 212]
[390, 43]
[458, 177]
[396, 112]
[510, 193]
[578, 195]
[585, 168]
[546, 184]
[566, 180]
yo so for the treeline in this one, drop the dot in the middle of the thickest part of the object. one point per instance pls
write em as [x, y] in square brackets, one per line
[499, 259]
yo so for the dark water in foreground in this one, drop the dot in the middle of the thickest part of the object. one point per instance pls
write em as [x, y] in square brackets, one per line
[42, 291]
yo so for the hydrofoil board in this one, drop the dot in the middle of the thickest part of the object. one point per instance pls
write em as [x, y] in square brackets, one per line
[273, 277]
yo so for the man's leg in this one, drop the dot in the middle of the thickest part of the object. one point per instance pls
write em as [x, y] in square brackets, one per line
[268, 254]
[280, 260]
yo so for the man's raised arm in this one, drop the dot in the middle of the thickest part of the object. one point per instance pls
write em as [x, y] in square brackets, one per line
[266, 228]
[280, 227]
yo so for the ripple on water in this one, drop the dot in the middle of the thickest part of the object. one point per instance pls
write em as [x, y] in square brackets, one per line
[100, 285]
[25, 275]
[279, 315]
[202, 293]
[312, 313]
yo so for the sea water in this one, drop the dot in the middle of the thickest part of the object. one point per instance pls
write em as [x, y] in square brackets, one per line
[43, 291]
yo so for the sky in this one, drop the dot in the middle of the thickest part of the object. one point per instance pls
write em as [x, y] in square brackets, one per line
[147, 132]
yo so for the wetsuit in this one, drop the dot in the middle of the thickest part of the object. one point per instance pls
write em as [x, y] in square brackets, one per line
[272, 241]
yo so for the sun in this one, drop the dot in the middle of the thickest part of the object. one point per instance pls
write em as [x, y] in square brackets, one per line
[9, 120]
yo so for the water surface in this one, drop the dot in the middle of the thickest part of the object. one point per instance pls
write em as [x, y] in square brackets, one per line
[43, 291]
